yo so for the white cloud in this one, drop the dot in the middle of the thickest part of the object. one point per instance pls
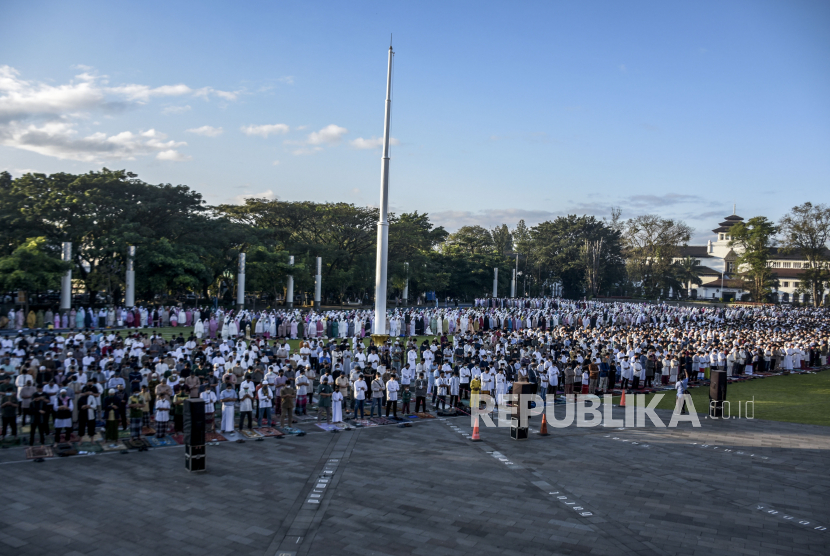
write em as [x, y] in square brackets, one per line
[173, 156]
[373, 143]
[208, 91]
[265, 130]
[143, 93]
[276, 163]
[207, 131]
[61, 140]
[329, 134]
[45, 118]
[176, 109]
[288, 79]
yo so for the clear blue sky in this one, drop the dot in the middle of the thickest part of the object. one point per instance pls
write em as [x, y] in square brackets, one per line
[502, 110]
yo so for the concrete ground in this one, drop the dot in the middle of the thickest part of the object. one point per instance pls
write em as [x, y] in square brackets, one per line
[729, 487]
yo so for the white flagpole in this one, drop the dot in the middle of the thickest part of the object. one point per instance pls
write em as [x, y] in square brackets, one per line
[383, 223]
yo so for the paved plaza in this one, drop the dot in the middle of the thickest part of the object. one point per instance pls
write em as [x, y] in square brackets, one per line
[729, 487]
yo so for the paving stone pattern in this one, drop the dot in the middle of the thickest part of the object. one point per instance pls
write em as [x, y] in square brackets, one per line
[729, 487]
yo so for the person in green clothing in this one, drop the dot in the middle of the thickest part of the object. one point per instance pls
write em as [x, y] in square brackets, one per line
[135, 406]
[406, 396]
[178, 412]
[324, 392]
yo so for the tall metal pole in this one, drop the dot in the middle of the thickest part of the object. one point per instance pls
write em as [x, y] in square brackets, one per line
[240, 283]
[496, 282]
[318, 283]
[406, 286]
[129, 297]
[383, 224]
[66, 281]
[513, 284]
[289, 296]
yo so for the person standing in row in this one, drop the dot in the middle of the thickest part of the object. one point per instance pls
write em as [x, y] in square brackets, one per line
[287, 396]
[392, 388]
[324, 403]
[421, 388]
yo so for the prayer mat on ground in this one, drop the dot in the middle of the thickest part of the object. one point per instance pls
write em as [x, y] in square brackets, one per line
[147, 431]
[365, 423]
[34, 452]
[342, 426]
[250, 434]
[425, 416]
[123, 434]
[328, 426]
[110, 446]
[382, 421]
[89, 447]
[74, 438]
[412, 417]
[159, 442]
[269, 431]
[178, 438]
[215, 437]
[304, 418]
[292, 430]
[136, 443]
[9, 442]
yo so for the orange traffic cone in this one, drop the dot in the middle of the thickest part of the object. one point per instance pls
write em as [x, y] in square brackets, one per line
[622, 399]
[543, 430]
[475, 437]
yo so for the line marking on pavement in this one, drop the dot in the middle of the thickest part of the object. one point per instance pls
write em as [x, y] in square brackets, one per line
[806, 523]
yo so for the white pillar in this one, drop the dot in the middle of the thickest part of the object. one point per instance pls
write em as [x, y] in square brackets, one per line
[406, 285]
[240, 283]
[495, 282]
[513, 284]
[383, 224]
[66, 281]
[318, 283]
[289, 296]
[129, 297]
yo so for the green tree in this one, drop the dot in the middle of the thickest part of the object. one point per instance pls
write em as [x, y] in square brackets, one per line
[102, 213]
[687, 273]
[268, 270]
[471, 239]
[31, 267]
[563, 249]
[502, 239]
[651, 245]
[754, 240]
[806, 229]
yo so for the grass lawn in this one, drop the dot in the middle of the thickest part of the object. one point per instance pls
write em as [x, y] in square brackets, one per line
[794, 398]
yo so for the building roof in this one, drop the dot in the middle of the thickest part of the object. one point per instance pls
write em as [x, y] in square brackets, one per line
[789, 273]
[727, 223]
[706, 271]
[779, 253]
[728, 284]
[694, 251]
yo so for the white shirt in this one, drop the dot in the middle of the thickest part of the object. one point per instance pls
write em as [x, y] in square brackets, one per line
[392, 388]
[210, 400]
[360, 390]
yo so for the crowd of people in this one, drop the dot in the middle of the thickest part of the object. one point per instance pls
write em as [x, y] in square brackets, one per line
[87, 376]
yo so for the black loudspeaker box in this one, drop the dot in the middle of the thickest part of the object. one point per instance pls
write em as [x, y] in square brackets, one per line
[194, 422]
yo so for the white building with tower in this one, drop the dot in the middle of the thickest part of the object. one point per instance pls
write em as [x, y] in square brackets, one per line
[716, 265]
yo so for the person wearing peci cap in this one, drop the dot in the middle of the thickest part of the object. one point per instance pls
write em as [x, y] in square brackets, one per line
[63, 406]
